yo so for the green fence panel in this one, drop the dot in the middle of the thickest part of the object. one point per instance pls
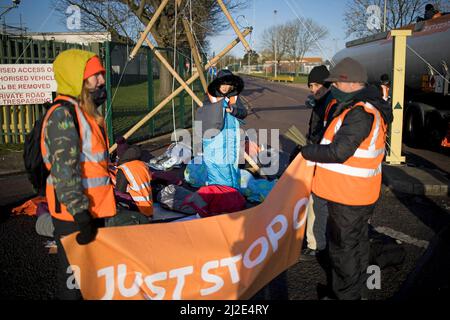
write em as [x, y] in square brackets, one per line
[108, 113]
[150, 89]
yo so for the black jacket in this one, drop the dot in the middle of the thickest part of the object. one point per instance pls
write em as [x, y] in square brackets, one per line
[318, 103]
[211, 114]
[355, 128]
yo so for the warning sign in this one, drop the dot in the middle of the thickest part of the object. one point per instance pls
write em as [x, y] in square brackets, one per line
[22, 84]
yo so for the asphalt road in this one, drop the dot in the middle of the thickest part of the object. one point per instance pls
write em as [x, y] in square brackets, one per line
[421, 224]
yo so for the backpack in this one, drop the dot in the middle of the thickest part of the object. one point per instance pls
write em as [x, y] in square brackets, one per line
[32, 156]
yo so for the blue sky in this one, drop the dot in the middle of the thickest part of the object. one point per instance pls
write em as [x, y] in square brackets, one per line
[38, 16]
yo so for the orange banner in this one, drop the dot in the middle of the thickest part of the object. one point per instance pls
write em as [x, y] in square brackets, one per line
[230, 256]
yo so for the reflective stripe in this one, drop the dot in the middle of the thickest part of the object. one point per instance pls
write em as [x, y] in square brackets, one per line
[94, 157]
[145, 185]
[46, 158]
[360, 153]
[86, 136]
[141, 199]
[95, 182]
[350, 171]
[133, 184]
[368, 154]
[376, 131]
[338, 126]
[88, 182]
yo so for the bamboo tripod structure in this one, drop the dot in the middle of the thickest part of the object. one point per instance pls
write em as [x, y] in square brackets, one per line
[184, 85]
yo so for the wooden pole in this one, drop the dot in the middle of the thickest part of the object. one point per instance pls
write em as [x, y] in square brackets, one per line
[233, 24]
[195, 53]
[194, 77]
[174, 73]
[399, 44]
[148, 28]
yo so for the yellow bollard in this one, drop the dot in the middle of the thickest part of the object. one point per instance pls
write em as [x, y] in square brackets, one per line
[398, 95]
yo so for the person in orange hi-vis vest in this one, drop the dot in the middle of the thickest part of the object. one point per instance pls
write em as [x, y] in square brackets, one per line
[134, 177]
[348, 173]
[323, 105]
[74, 148]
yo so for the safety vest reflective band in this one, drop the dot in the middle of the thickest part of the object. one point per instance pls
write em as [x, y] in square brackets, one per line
[327, 111]
[357, 181]
[232, 99]
[93, 158]
[139, 185]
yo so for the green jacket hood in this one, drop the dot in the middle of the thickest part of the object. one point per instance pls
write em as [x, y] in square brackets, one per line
[68, 68]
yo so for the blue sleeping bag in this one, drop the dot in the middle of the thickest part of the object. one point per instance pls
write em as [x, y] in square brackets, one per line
[221, 153]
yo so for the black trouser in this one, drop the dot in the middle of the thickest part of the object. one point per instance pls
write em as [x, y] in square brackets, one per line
[64, 228]
[348, 248]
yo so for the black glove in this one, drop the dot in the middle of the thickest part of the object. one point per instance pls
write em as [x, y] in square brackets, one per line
[295, 153]
[87, 227]
[310, 102]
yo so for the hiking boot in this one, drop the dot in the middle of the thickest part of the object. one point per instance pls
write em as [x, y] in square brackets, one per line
[309, 254]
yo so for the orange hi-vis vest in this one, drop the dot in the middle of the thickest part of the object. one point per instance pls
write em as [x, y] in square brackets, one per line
[327, 111]
[93, 163]
[232, 100]
[139, 185]
[357, 181]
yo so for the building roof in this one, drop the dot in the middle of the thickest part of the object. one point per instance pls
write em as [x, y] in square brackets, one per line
[304, 60]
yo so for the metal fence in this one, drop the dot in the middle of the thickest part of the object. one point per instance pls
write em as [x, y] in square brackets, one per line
[133, 88]
[17, 121]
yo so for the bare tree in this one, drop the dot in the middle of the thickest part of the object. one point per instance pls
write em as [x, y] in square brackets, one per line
[292, 39]
[303, 36]
[124, 19]
[274, 40]
[365, 17]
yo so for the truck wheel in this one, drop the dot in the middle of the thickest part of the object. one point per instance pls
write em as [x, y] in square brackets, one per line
[413, 128]
[435, 130]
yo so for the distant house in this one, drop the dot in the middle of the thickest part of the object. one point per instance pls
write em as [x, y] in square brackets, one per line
[84, 38]
[136, 70]
[288, 66]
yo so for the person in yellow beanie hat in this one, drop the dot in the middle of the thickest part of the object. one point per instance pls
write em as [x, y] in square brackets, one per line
[74, 148]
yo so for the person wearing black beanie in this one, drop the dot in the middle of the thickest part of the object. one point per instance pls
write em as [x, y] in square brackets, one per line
[323, 107]
[318, 75]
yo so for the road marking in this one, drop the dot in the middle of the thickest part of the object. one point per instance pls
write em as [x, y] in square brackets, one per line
[402, 237]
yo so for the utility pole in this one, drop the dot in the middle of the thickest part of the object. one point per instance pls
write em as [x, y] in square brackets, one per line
[276, 40]
[384, 18]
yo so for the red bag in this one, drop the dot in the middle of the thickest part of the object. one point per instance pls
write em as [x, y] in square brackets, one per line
[218, 200]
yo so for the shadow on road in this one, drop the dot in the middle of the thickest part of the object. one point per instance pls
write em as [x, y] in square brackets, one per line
[430, 278]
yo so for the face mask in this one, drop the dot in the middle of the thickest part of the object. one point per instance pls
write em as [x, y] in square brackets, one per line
[342, 96]
[321, 92]
[99, 95]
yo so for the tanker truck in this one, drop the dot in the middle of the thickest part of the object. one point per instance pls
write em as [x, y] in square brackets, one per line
[427, 101]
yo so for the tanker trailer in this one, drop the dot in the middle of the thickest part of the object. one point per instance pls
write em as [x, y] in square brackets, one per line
[427, 99]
